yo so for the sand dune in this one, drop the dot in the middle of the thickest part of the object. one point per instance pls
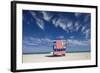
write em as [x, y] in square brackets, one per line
[27, 58]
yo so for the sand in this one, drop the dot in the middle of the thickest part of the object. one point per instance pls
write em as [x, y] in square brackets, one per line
[28, 58]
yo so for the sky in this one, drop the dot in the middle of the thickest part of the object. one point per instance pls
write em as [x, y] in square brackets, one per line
[41, 28]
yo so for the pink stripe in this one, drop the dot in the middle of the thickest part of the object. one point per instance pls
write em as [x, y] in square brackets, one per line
[59, 53]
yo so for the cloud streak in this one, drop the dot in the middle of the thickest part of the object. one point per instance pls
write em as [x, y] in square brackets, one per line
[87, 33]
[79, 42]
[39, 21]
[31, 41]
[63, 23]
[46, 16]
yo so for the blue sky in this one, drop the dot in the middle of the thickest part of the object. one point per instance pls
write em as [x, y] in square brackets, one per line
[41, 28]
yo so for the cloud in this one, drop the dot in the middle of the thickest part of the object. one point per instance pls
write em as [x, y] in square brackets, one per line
[32, 44]
[39, 21]
[71, 37]
[79, 42]
[77, 14]
[61, 37]
[77, 26]
[60, 22]
[46, 16]
[64, 23]
[87, 33]
[31, 41]
[69, 25]
[27, 42]
[83, 28]
[54, 20]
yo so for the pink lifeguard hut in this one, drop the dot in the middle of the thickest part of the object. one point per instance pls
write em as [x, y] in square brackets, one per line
[59, 48]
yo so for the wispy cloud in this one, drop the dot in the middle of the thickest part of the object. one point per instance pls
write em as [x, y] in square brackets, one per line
[77, 26]
[71, 37]
[60, 22]
[79, 42]
[46, 16]
[32, 44]
[54, 21]
[63, 22]
[70, 26]
[61, 37]
[46, 41]
[39, 21]
[77, 14]
[31, 41]
[87, 33]
[83, 28]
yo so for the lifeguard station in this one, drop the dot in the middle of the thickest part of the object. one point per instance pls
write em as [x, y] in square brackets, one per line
[59, 48]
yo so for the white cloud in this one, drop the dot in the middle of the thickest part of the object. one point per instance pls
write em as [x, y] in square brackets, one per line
[77, 14]
[70, 26]
[76, 23]
[64, 23]
[63, 26]
[83, 29]
[77, 26]
[87, 33]
[71, 37]
[61, 37]
[37, 41]
[56, 22]
[60, 22]
[79, 42]
[39, 21]
[29, 42]
[46, 16]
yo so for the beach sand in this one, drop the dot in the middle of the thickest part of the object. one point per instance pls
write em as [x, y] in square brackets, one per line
[29, 58]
